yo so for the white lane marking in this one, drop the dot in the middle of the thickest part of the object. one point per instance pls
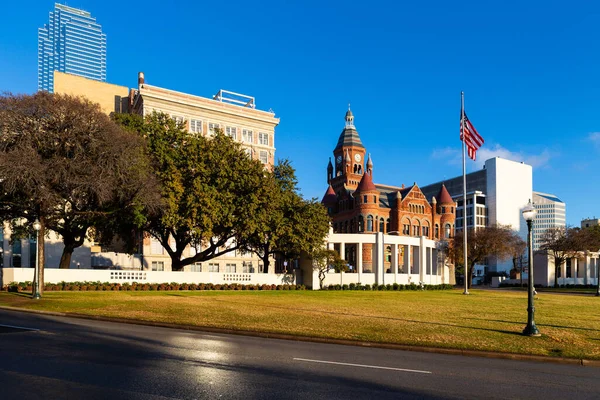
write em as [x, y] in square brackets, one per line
[18, 327]
[363, 366]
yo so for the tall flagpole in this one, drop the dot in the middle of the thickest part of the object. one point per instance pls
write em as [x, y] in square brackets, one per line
[464, 144]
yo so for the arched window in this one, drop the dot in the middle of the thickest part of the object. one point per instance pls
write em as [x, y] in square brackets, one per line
[381, 225]
[361, 223]
[425, 229]
[437, 231]
[447, 231]
[370, 223]
[387, 225]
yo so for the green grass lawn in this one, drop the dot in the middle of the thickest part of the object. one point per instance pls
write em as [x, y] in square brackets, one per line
[484, 320]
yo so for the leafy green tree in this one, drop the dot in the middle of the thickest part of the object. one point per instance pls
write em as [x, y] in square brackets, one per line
[499, 241]
[324, 260]
[64, 162]
[292, 225]
[214, 195]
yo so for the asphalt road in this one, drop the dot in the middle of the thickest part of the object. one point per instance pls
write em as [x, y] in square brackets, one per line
[68, 358]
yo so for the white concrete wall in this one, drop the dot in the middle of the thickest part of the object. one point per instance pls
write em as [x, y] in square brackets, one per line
[80, 275]
[509, 189]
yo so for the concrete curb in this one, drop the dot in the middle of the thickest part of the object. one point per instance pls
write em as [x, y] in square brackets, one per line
[345, 342]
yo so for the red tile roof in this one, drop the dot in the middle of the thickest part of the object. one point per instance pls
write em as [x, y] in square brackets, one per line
[366, 183]
[329, 197]
[443, 196]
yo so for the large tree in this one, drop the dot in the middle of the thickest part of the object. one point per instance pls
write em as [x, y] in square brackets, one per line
[292, 224]
[214, 195]
[497, 241]
[561, 243]
[64, 162]
[323, 260]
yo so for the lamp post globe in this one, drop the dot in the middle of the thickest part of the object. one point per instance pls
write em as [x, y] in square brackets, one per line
[530, 330]
[36, 284]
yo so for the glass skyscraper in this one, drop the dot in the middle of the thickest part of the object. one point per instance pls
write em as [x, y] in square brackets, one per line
[71, 42]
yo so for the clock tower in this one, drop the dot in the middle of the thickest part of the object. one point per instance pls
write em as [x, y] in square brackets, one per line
[349, 157]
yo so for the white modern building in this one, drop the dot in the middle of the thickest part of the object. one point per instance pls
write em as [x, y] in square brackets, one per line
[551, 213]
[496, 194]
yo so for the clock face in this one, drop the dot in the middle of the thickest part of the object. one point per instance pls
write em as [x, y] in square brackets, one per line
[357, 157]
[339, 159]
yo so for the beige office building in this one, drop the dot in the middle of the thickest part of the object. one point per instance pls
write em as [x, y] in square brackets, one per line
[235, 114]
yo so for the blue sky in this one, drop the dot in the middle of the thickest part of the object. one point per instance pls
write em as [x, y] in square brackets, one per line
[529, 70]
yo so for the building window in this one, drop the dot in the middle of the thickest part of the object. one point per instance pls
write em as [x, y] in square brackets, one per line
[158, 266]
[212, 127]
[231, 132]
[248, 152]
[213, 267]
[196, 267]
[230, 268]
[443, 210]
[370, 223]
[416, 230]
[195, 126]
[406, 229]
[387, 225]
[426, 231]
[437, 231]
[178, 119]
[247, 136]
[264, 157]
[447, 231]
[381, 225]
[361, 223]
[247, 267]
[263, 138]
[156, 247]
[16, 254]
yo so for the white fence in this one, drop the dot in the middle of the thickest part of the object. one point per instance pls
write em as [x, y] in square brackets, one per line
[54, 275]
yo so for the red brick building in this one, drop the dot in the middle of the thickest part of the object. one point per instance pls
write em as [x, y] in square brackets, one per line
[358, 205]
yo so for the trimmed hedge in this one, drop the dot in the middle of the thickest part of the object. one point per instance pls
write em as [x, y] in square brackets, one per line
[388, 287]
[136, 286]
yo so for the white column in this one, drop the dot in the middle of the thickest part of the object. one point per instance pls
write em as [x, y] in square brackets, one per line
[359, 261]
[343, 251]
[422, 259]
[407, 260]
[378, 266]
[395, 261]
[586, 269]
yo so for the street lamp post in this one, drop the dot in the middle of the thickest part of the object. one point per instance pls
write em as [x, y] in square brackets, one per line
[36, 284]
[530, 330]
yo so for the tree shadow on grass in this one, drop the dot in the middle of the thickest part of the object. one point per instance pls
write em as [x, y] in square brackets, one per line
[391, 319]
[537, 323]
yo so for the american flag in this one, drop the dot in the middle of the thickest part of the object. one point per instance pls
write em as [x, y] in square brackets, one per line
[470, 136]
